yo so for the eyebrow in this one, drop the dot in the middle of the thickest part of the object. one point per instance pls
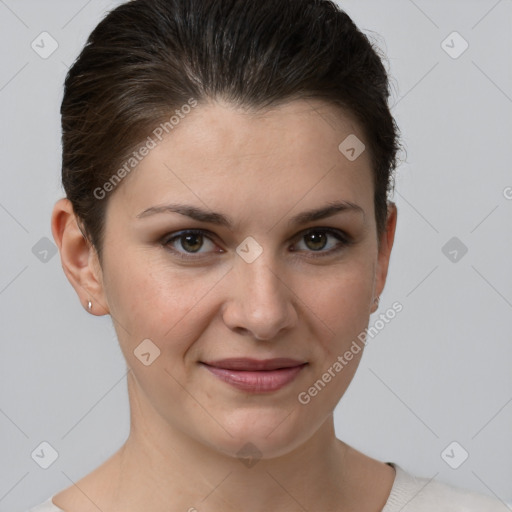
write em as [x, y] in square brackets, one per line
[220, 219]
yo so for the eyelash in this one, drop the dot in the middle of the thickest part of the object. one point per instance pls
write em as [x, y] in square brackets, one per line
[342, 237]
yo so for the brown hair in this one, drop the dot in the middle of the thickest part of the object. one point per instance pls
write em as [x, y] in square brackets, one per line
[148, 58]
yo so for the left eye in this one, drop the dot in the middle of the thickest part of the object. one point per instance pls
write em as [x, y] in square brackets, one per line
[317, 240]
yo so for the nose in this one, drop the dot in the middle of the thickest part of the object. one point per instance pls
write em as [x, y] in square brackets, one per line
[261, 302]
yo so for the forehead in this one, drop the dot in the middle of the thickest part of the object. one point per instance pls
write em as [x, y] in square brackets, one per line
[218, 150]
[297, 127]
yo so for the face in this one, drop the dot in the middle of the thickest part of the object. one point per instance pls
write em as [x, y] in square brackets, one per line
[245, 248]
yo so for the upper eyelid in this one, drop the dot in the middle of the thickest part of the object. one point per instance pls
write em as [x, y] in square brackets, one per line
[176, 235]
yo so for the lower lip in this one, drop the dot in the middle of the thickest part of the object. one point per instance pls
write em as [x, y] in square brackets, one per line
[257, 381]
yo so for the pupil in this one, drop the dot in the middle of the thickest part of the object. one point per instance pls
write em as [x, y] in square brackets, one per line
[192, 242]
[318, 240]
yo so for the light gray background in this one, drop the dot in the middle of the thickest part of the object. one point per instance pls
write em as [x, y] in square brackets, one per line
[438, 373]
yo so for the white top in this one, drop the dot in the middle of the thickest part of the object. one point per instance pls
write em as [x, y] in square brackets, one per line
[408, 494]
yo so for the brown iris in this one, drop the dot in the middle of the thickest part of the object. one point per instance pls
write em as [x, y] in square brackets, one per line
[315, 240]
[192, 242]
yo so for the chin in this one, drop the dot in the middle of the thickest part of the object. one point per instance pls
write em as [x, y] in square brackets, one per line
[259, 433]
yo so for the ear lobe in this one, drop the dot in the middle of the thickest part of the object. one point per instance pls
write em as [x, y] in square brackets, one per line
[78, 258]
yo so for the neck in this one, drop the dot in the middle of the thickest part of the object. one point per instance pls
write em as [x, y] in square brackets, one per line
[160, 467]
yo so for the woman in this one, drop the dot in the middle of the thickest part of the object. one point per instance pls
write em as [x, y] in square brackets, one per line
[227, 167]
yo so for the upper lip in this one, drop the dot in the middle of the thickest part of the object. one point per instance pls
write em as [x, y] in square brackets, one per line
[247, 364]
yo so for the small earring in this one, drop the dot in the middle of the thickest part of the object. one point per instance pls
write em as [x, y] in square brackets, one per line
[89, 305]
[376, 301]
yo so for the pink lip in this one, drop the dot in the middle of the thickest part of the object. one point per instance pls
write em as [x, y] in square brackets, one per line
[254, 375]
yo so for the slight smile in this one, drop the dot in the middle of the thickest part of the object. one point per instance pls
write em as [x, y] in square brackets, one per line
[256, 376]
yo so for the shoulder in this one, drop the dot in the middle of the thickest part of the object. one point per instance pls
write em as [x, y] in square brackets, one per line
[416, 494]
[46, 506]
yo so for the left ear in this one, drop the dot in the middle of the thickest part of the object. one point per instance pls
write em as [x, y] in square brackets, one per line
[386, 244]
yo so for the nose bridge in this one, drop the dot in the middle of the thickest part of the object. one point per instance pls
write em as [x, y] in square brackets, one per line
[261, 303]
[260, 279]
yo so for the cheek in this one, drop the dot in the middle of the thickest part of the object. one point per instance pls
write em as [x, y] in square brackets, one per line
[156, 302]
[339, 302]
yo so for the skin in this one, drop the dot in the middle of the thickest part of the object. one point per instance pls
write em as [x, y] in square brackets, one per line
[187, 425]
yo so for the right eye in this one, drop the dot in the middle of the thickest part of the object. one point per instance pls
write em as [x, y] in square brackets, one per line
[189, 242]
